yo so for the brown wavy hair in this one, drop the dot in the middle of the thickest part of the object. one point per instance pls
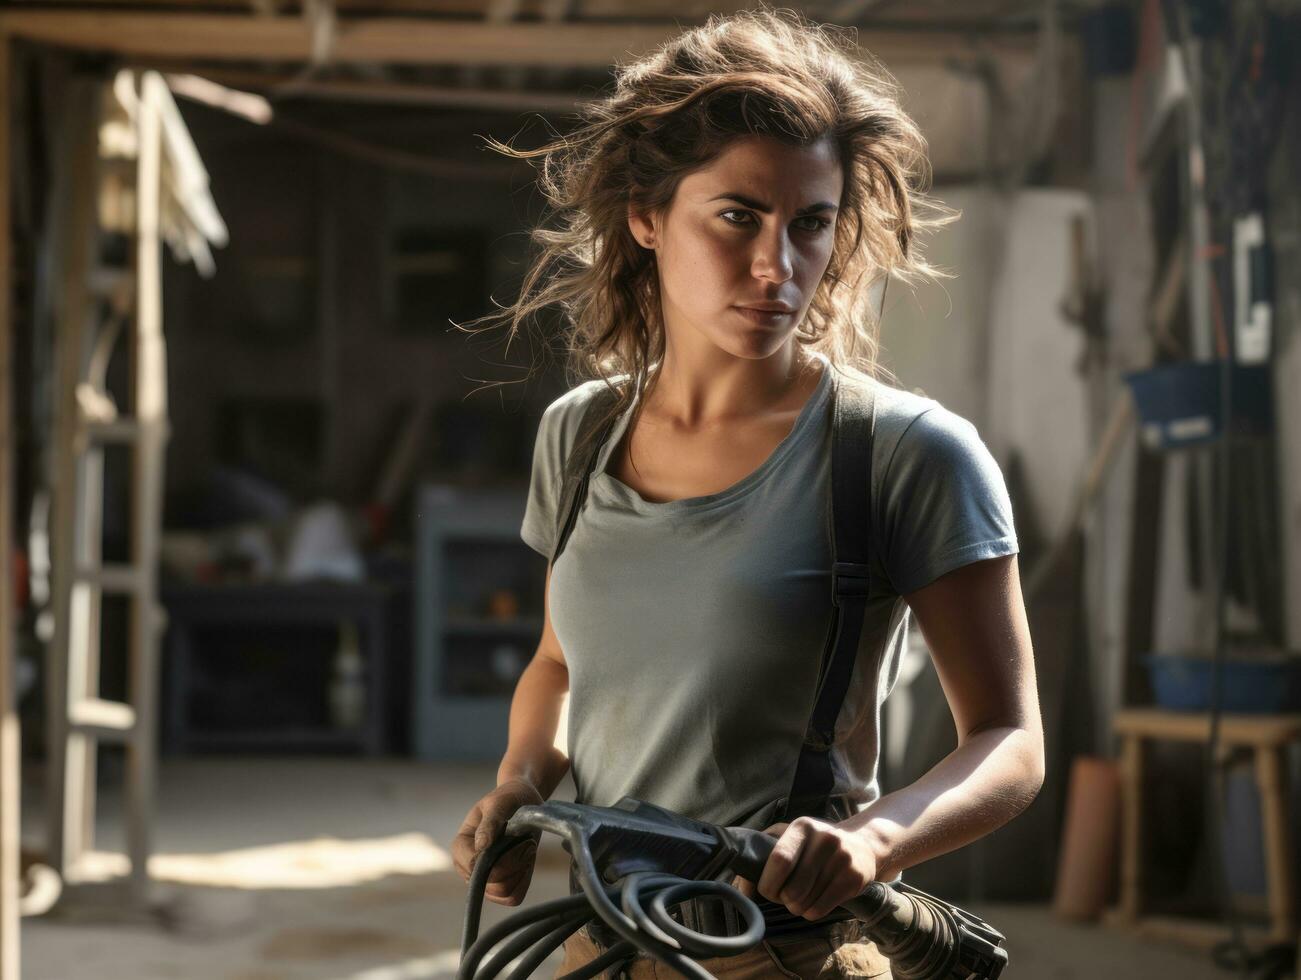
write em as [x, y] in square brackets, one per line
[756, 72]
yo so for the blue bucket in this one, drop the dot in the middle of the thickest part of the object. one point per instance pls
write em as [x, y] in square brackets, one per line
[1179, 404]
[1257, 686]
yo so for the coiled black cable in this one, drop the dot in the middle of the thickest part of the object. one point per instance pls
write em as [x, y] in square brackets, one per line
[641, 918]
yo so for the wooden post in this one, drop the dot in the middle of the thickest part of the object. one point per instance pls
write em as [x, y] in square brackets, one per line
[146, 509]
[1270, 760]
[69, 764]
[9, 754]
[1131, 832]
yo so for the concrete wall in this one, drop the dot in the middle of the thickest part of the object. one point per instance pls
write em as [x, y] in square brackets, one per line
[935, 338]
[1284, 232]
[1126, 267]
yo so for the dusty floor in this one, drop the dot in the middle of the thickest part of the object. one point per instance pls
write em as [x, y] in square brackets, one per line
[333, 869]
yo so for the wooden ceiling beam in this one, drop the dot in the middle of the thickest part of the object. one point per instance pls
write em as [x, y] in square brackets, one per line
[393, 93]
[418, 41]
[381, 40]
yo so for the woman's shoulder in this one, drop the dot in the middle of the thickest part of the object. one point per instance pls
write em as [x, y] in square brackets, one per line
[900, 412]
[569, 407]
[939, 496]
[563, 416]
[907, 416]
[912, 427]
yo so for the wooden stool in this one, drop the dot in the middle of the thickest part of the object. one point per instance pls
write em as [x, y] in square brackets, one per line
[1268, 736]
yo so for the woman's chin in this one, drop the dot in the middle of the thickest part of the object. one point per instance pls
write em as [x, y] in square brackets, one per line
[751, 342]
[759, 343]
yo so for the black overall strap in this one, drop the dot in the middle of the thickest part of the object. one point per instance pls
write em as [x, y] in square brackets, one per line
[852, 430]
[593, 429]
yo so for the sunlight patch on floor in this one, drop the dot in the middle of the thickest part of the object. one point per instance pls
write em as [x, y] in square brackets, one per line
[323, 862]
[441, 966]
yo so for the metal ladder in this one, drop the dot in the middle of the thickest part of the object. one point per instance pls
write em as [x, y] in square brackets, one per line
[101, 303]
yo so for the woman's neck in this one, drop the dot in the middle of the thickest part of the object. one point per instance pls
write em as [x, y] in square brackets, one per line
[700, 393]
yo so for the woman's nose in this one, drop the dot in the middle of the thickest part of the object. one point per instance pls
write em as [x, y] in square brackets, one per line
[772, 257]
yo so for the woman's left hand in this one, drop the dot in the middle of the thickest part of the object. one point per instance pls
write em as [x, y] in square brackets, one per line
[814, 867]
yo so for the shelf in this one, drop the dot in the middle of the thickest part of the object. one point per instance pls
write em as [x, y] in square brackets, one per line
[470, 560]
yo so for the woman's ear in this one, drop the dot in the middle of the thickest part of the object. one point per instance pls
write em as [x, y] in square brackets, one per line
[642, 227]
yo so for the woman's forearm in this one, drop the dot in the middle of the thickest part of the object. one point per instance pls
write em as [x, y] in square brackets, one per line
[979, 786]
[535, 708]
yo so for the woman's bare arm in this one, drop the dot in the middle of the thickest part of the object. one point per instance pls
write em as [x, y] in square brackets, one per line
[535, 709]
[974, 622]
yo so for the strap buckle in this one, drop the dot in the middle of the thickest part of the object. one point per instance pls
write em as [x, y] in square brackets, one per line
[849, 580]
[819, 740]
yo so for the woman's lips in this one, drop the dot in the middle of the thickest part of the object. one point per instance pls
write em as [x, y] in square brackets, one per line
[762, 317]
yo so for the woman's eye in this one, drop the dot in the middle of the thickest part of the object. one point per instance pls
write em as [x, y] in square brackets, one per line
[818, 224]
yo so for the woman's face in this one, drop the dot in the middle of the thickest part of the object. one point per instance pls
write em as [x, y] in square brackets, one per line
[753, 227]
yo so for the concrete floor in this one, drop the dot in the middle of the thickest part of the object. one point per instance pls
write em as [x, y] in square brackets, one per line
[338, 869]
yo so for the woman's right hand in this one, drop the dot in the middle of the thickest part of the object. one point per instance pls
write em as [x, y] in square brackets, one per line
[483, 825]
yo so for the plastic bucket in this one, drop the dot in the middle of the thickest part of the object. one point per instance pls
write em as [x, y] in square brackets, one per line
[1258, 686]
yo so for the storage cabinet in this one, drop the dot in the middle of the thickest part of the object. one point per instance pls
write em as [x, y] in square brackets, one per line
[478, 615]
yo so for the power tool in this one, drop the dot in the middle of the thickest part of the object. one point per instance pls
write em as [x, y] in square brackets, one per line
[635, 859]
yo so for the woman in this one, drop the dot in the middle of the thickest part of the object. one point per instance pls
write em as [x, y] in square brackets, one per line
[722, 217]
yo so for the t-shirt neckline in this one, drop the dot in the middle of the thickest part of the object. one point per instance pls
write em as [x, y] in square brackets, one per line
[617, 489]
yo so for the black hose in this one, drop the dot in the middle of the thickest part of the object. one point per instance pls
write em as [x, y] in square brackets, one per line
[668, 953]
[541, 937]
[533, 959]
[479, 884]
[572, 911]
[924, 937]
[654, 919]
[617, 953]
[533, 934]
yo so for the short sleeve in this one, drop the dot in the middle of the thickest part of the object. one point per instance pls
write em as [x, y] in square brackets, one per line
[538, 530]
[944, 503]
[557, 433]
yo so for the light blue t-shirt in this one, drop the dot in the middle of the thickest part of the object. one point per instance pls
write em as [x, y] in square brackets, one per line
[694, 629]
